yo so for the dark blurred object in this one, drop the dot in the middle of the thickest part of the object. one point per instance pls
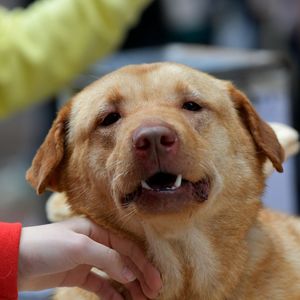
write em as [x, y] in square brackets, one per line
[25, 3]
[20, 136]
[13, 3]
[277, 20]
[188, 21]
[150, 31]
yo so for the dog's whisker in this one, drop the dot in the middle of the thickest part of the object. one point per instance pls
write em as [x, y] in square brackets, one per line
[126, 218]
[115, 180]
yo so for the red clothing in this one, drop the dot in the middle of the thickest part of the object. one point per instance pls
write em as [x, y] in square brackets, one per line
[9, 253]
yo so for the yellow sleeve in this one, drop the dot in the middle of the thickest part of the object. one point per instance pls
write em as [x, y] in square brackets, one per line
[46, 45]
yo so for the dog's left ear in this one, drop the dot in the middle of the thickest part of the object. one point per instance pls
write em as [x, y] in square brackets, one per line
[263, 135]
[44, 171]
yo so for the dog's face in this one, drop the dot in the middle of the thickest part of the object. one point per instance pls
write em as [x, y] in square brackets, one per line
[158, 144]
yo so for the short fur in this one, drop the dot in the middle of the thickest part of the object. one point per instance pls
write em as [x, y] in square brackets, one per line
[225, 247]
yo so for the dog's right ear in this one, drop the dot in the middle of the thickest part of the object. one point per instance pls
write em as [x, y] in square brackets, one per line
[43, 173]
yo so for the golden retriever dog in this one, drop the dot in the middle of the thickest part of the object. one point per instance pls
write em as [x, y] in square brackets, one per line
[172, 158]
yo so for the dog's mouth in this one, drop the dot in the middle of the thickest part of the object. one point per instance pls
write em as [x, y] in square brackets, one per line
[166, 192]
[163, 182]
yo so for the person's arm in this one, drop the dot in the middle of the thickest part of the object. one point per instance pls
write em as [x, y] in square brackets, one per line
[9, 251]
[46, 45]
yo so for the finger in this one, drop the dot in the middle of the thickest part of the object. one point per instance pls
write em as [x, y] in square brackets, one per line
[147, 291]
[129, 249]
[89, 228]
[101, 287]
[121, 245]
[89, 252]
[135, 290]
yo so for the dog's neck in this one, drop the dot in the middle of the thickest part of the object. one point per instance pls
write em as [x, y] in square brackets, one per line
[187, 263]
[201, 262]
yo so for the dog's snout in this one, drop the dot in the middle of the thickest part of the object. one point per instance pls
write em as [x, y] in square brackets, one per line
[158, 138]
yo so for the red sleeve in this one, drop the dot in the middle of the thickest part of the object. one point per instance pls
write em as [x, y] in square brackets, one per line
[9, 253]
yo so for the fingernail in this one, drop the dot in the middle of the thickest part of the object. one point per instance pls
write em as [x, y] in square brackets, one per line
[128, 275]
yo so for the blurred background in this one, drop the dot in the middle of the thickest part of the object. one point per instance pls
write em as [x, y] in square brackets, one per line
[254, 43]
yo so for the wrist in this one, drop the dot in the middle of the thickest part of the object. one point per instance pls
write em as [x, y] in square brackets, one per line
[23, 265]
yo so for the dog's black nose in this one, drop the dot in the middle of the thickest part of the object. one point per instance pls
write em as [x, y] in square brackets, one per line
[155, 139]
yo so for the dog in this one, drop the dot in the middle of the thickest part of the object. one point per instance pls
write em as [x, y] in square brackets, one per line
[172, 158]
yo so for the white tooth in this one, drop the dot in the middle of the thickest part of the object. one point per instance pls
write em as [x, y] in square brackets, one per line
[177, 183]
[145, 185]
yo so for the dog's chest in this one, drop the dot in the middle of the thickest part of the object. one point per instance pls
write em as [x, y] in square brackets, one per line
[188, 265]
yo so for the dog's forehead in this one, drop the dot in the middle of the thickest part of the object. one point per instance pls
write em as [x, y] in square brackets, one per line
[152, 82]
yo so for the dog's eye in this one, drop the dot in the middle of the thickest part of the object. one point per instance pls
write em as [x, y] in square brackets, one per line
[110, 119]
[192, 106]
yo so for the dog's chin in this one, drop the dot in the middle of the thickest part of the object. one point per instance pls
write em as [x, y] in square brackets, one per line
[165, 193]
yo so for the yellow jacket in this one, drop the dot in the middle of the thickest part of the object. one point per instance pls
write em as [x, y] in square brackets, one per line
[47, 44]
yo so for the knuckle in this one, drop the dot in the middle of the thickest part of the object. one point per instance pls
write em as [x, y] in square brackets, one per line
[79, 245]
[112, 259]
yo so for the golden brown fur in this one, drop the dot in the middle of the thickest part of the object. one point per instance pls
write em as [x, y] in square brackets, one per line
[223, 247]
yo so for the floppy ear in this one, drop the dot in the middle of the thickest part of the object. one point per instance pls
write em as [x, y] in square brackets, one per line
[43, 172]
[262, 134]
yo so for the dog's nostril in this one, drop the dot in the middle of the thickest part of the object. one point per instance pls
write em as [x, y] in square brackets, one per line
[168, 140]
[142, 143]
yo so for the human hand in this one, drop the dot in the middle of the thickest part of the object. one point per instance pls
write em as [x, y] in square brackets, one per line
[63, 254]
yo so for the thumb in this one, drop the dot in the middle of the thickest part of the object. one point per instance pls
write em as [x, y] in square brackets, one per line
[103, 258]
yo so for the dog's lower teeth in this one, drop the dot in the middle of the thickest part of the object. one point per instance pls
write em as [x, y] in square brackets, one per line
[145, 185]
[177, 183]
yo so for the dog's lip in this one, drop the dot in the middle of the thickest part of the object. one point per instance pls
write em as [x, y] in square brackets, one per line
[170, 197]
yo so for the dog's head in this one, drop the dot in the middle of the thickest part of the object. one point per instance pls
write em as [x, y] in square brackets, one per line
[157, 144]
